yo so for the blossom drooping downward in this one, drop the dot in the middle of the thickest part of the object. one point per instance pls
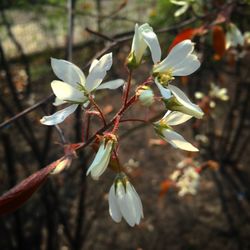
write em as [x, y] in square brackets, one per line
[102, 158]
[125, 202]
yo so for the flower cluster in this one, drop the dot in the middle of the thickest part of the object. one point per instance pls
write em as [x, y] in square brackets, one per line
[76, 90]
[215, 93]
[186, 178]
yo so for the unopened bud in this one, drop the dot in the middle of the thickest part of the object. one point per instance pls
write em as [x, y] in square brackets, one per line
[146, 96]
[62, 165]
[131, 61]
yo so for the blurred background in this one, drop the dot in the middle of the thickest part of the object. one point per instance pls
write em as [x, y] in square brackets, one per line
[70, 211]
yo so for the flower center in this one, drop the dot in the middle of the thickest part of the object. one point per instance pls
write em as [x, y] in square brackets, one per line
[165, 77]
[81, 88]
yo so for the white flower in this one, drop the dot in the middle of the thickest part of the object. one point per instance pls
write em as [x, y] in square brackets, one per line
[179, 62]
[144, 37]
[183, 9]
[102, 158]
[125, 202]
[187, 180]
[198, 95]
[218, 93]
[234, 36]
[176, 100]
[164, 130]
[75, 88]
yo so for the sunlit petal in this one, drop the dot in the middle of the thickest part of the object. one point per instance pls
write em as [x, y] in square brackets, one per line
[189, 65]
[187, 106]
[114, 209]
[66, 92]
[166, 93]
[175, 118]
[59, 116]
[175, 56]
[115, 84]
[177, 141]
[67, 72]
[98, 72]
[101, 160]
[152, 41]
[58, 102]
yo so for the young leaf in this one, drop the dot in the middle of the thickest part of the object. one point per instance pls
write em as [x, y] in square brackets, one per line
[19, 194]
[219, 42]
[188, 33]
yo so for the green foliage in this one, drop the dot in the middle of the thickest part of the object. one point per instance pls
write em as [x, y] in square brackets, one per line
[163, 14]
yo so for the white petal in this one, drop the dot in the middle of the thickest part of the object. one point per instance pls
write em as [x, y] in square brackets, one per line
[175, 56]
[98, 157]
[152, 41]
[58, 102]
[182, 10]
[114, 209]
[181, 3]
[101, 160]
[166, 93]
[66, 92]
[176, 118]
[138, 45]
[112, 84]
[93, 64]
[100, 169]
[67, 72]
[234, 36]
[138, 204]
[189, 65]
[126, 204]
[192, 109]
[177, 141]
[98, 72]
[59, 116]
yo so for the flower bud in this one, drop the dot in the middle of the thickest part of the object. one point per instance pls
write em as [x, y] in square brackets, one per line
[146, 96]
[131, 61]
[102, 158]
[65, 163]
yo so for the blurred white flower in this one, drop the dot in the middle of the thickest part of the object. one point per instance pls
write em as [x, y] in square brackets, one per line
[187, 180]
[125, 202]
[218, 93]
[202, 138]
[74, 88]
[247, 37]
[144, 37]
[102, 158]
[234, 36]
[198, 95]
[164, 130]
[180, 62]
[184, 7]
